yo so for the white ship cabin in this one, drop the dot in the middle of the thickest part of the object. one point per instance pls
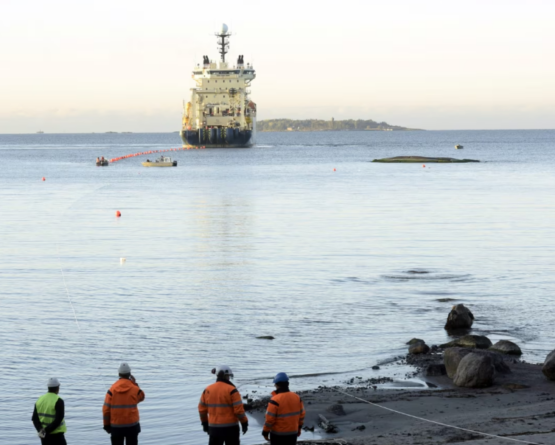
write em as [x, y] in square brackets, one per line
[221, 94]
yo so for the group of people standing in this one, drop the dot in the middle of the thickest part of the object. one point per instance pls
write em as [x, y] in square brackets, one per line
[221, 411]
[120, 411]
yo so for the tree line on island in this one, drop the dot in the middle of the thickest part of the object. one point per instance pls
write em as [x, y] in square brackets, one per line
[322, 125]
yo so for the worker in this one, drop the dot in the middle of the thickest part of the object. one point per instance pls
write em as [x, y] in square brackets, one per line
[48, 416]
[120, 411]
[221, 408]
[284, 415]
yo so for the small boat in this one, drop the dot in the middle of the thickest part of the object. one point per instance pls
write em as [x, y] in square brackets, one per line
[102, 163]
[163, 161]
[458, 147]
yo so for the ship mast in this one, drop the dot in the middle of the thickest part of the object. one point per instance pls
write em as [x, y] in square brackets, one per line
[223, 41]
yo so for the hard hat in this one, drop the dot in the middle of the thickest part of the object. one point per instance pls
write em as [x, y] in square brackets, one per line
[281, 377]
[223, 369]
[124, 368]
[53, 382]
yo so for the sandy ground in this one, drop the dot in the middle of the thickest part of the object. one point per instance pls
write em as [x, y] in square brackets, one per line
[520, 406]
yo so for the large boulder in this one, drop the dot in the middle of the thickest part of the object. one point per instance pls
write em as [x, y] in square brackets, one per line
[460, 317]
[498, 363]
[475, 371]
[470, 341]
[453, 356]
[549, 366]
[451, 359]
[419, 348]
[506, 347]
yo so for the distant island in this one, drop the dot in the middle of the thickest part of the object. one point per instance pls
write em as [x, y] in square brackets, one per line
[331, 125]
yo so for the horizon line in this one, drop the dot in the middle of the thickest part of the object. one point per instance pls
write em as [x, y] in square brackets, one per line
[285, 131]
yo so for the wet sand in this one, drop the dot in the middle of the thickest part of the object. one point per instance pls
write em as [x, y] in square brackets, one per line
[520, 406]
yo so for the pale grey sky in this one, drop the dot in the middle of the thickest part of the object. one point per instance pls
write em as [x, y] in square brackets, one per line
[125, 65]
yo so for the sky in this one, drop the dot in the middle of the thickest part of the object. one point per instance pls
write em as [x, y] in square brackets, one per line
[122, 65]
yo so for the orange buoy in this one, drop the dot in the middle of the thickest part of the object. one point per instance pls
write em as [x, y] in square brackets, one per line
[43, 178]
[423, 165]
[334, 169]
[118, 213]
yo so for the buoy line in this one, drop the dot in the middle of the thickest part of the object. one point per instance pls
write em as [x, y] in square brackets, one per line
[150, 152]
[435, 422]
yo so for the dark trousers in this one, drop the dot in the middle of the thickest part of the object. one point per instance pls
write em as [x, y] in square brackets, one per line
[283, 440]
[228, 435]
[54, 439]
[129, 439]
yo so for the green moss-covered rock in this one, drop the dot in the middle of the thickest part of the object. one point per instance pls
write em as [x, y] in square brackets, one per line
[506, 347]
[423, 159]
[469, 341]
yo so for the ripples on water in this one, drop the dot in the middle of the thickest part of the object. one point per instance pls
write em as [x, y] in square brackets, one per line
[341, 267]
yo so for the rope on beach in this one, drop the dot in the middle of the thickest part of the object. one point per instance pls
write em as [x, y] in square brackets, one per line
[437, 423]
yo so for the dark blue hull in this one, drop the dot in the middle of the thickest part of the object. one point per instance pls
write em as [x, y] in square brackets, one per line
[220, 137]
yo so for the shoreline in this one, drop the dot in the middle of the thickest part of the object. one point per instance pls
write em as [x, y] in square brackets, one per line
[519, 406]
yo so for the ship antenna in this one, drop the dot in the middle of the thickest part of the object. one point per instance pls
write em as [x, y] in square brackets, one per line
[223, 41]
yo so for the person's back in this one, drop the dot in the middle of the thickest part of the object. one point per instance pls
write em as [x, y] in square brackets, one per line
[48, 415]
[120, 410]
[221, 409]
[284, 415]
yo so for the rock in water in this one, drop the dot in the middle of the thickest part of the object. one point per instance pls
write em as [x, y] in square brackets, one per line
[460, 317]
[475, 371]
[419, 348]
[414, 341]
[506, 347]
[470, 341]
[549, 366]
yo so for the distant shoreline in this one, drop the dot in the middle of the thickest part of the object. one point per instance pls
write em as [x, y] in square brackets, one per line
[271, 125]
[316, 131]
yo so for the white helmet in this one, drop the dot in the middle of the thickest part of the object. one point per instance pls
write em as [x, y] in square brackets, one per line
[124, 368]
[223, 370]
[53, 382]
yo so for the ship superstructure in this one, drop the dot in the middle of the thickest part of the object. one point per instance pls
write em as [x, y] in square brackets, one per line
[220, 113]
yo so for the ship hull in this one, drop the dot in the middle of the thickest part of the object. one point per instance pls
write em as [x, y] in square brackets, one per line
[217, 138]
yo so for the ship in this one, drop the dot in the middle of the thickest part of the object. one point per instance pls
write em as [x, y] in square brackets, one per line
[220, 113]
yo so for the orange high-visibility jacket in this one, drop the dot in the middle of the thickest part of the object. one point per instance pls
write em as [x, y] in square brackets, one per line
[221, 405]
[285, 414]
[120, 404]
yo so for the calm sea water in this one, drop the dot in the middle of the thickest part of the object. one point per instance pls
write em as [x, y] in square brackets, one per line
[234, 244]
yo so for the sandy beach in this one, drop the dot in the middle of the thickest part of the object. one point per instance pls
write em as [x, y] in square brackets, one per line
[519, 407]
